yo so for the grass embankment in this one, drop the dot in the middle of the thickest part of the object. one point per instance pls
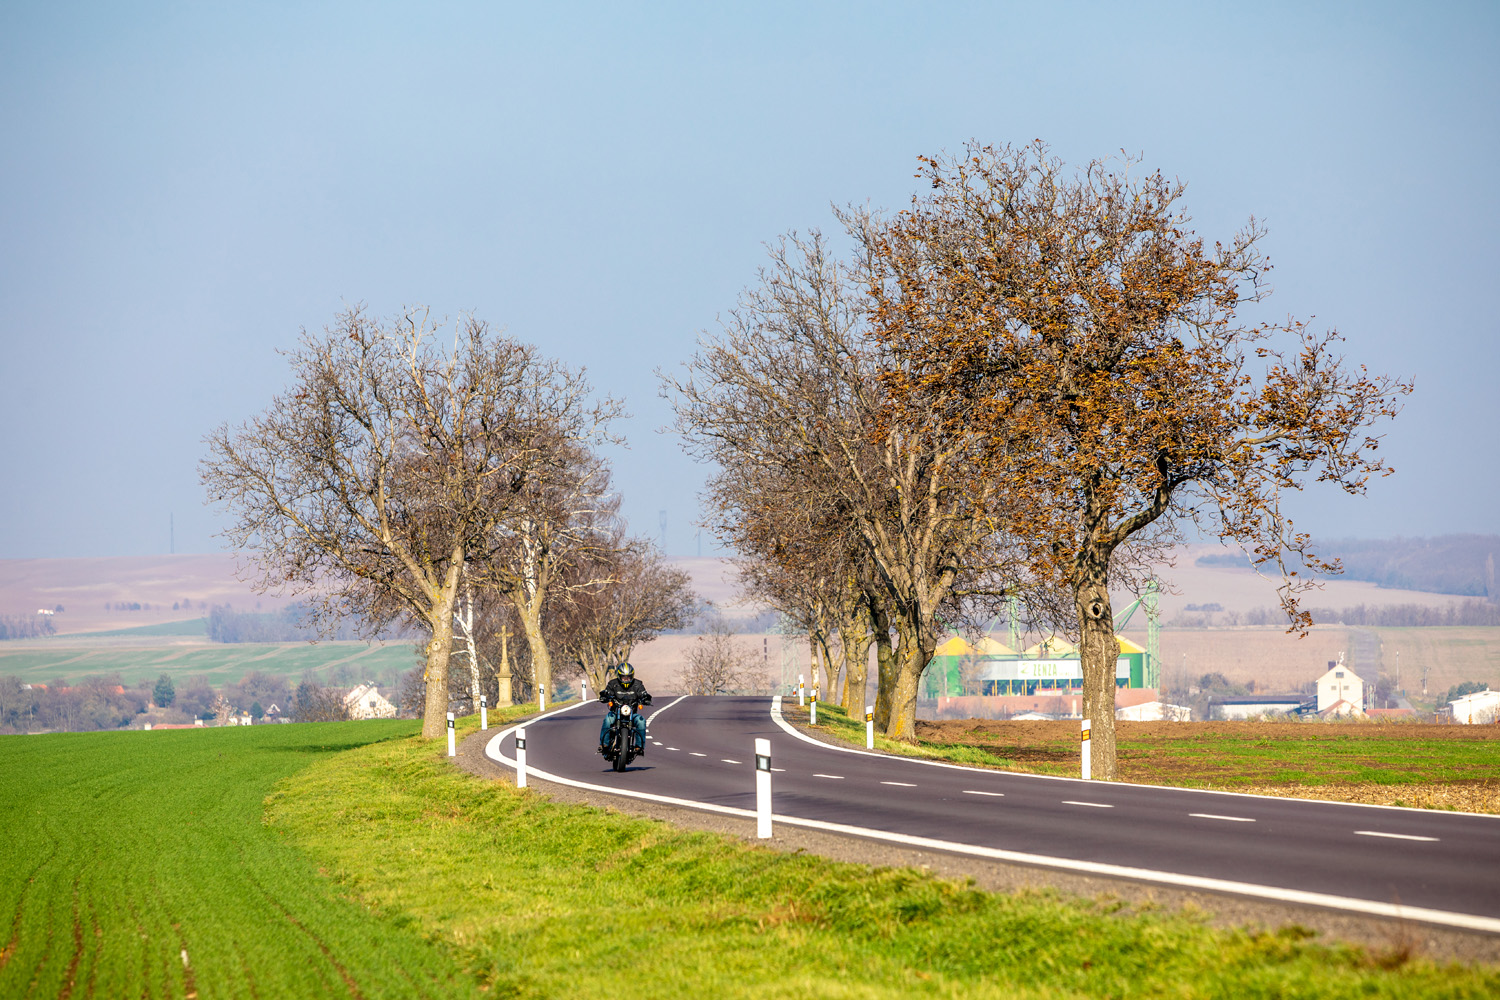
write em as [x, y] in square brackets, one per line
[1389, 763]
[375, 868]
[540, 899]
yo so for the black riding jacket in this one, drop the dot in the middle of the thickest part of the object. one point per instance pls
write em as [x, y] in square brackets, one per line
[616, 693]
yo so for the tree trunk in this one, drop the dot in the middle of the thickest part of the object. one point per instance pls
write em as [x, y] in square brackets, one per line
[856, 639]
[912, 657]
[812, 664]
[1098, 651]
[830, 670]
[885, 668]
[435, 712]
[541, 659]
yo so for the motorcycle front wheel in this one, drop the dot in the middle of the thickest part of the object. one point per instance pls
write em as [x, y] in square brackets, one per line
[622, 747]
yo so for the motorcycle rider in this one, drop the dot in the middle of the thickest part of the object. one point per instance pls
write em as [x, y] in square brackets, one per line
[624, 689]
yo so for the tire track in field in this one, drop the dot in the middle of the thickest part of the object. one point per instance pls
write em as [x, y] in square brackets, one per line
[349, 982]
[71, 975]
[15, 923]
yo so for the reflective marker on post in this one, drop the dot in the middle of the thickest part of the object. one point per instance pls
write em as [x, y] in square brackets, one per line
[1087, 769]
[869, 727]
[521, 757]
[484, 711]
[763, 789]
[452, 750]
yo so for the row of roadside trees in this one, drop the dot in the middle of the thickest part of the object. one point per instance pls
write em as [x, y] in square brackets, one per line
[1023, 387]
[446, 481]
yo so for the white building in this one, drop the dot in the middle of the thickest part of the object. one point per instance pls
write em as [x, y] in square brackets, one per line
[1479, 708]
[1340, 684]
[1154, 711]
[365, 702]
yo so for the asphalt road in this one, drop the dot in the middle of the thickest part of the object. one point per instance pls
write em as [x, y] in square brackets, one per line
[1439, 867]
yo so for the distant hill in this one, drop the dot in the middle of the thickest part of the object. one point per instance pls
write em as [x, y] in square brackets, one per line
[1463, 565]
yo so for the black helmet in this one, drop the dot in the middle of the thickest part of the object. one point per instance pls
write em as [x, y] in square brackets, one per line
[626, 673]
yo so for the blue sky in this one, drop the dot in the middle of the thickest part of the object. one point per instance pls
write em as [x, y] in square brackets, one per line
[183, 188]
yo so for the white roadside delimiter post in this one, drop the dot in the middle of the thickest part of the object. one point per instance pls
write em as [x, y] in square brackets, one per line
[800, 688]
[763, 789]
[452, 750]
[869, 727]
[484, 711]
[1087, 768]
[521, 757]
[813, 717]
[541, 697]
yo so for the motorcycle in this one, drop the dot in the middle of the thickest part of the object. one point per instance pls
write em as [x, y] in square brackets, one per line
[620, 748]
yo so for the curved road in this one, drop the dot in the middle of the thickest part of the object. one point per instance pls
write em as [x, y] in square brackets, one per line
[1436, 867]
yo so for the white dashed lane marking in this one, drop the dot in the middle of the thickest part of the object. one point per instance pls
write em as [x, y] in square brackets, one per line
[697, 754]
[899, 784]
[1230, 819]
[998, 795]
[1096, 805]
[726, 760]
[1393, 836]
[836, 777]
[671, 748]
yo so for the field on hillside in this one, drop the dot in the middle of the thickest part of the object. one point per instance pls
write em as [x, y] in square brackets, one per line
[42, 662]
[1276, 661]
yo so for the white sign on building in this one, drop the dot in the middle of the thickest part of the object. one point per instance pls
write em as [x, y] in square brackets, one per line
[1018, 669]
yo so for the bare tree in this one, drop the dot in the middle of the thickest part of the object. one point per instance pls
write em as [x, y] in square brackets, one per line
[566, 528]
[393, 460]
[718, 663]
[1074, 328]
[788, 405]
[633, 598]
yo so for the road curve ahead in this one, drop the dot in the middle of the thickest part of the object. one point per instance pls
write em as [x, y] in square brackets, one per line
[1436, 867]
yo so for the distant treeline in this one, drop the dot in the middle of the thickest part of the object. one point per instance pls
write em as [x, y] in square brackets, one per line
[1451, 564]
[25, 626]
[291, 624]
[1462, 613]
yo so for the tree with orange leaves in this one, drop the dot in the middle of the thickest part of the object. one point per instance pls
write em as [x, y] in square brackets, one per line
[1074, 325]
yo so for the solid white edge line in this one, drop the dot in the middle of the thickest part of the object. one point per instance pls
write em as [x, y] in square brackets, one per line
[1231, 819]
[793, 731]
[1490, 925]
[1394, 836]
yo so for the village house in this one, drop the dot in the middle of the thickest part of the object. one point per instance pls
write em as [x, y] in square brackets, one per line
[366, 702]
[1340, 684]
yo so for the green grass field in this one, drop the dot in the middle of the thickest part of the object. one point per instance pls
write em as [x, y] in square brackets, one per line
[221, 663]
[137, 864]
[350, 859]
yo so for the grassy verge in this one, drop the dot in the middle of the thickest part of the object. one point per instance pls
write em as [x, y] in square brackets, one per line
[1445, 767]
[536, 899]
